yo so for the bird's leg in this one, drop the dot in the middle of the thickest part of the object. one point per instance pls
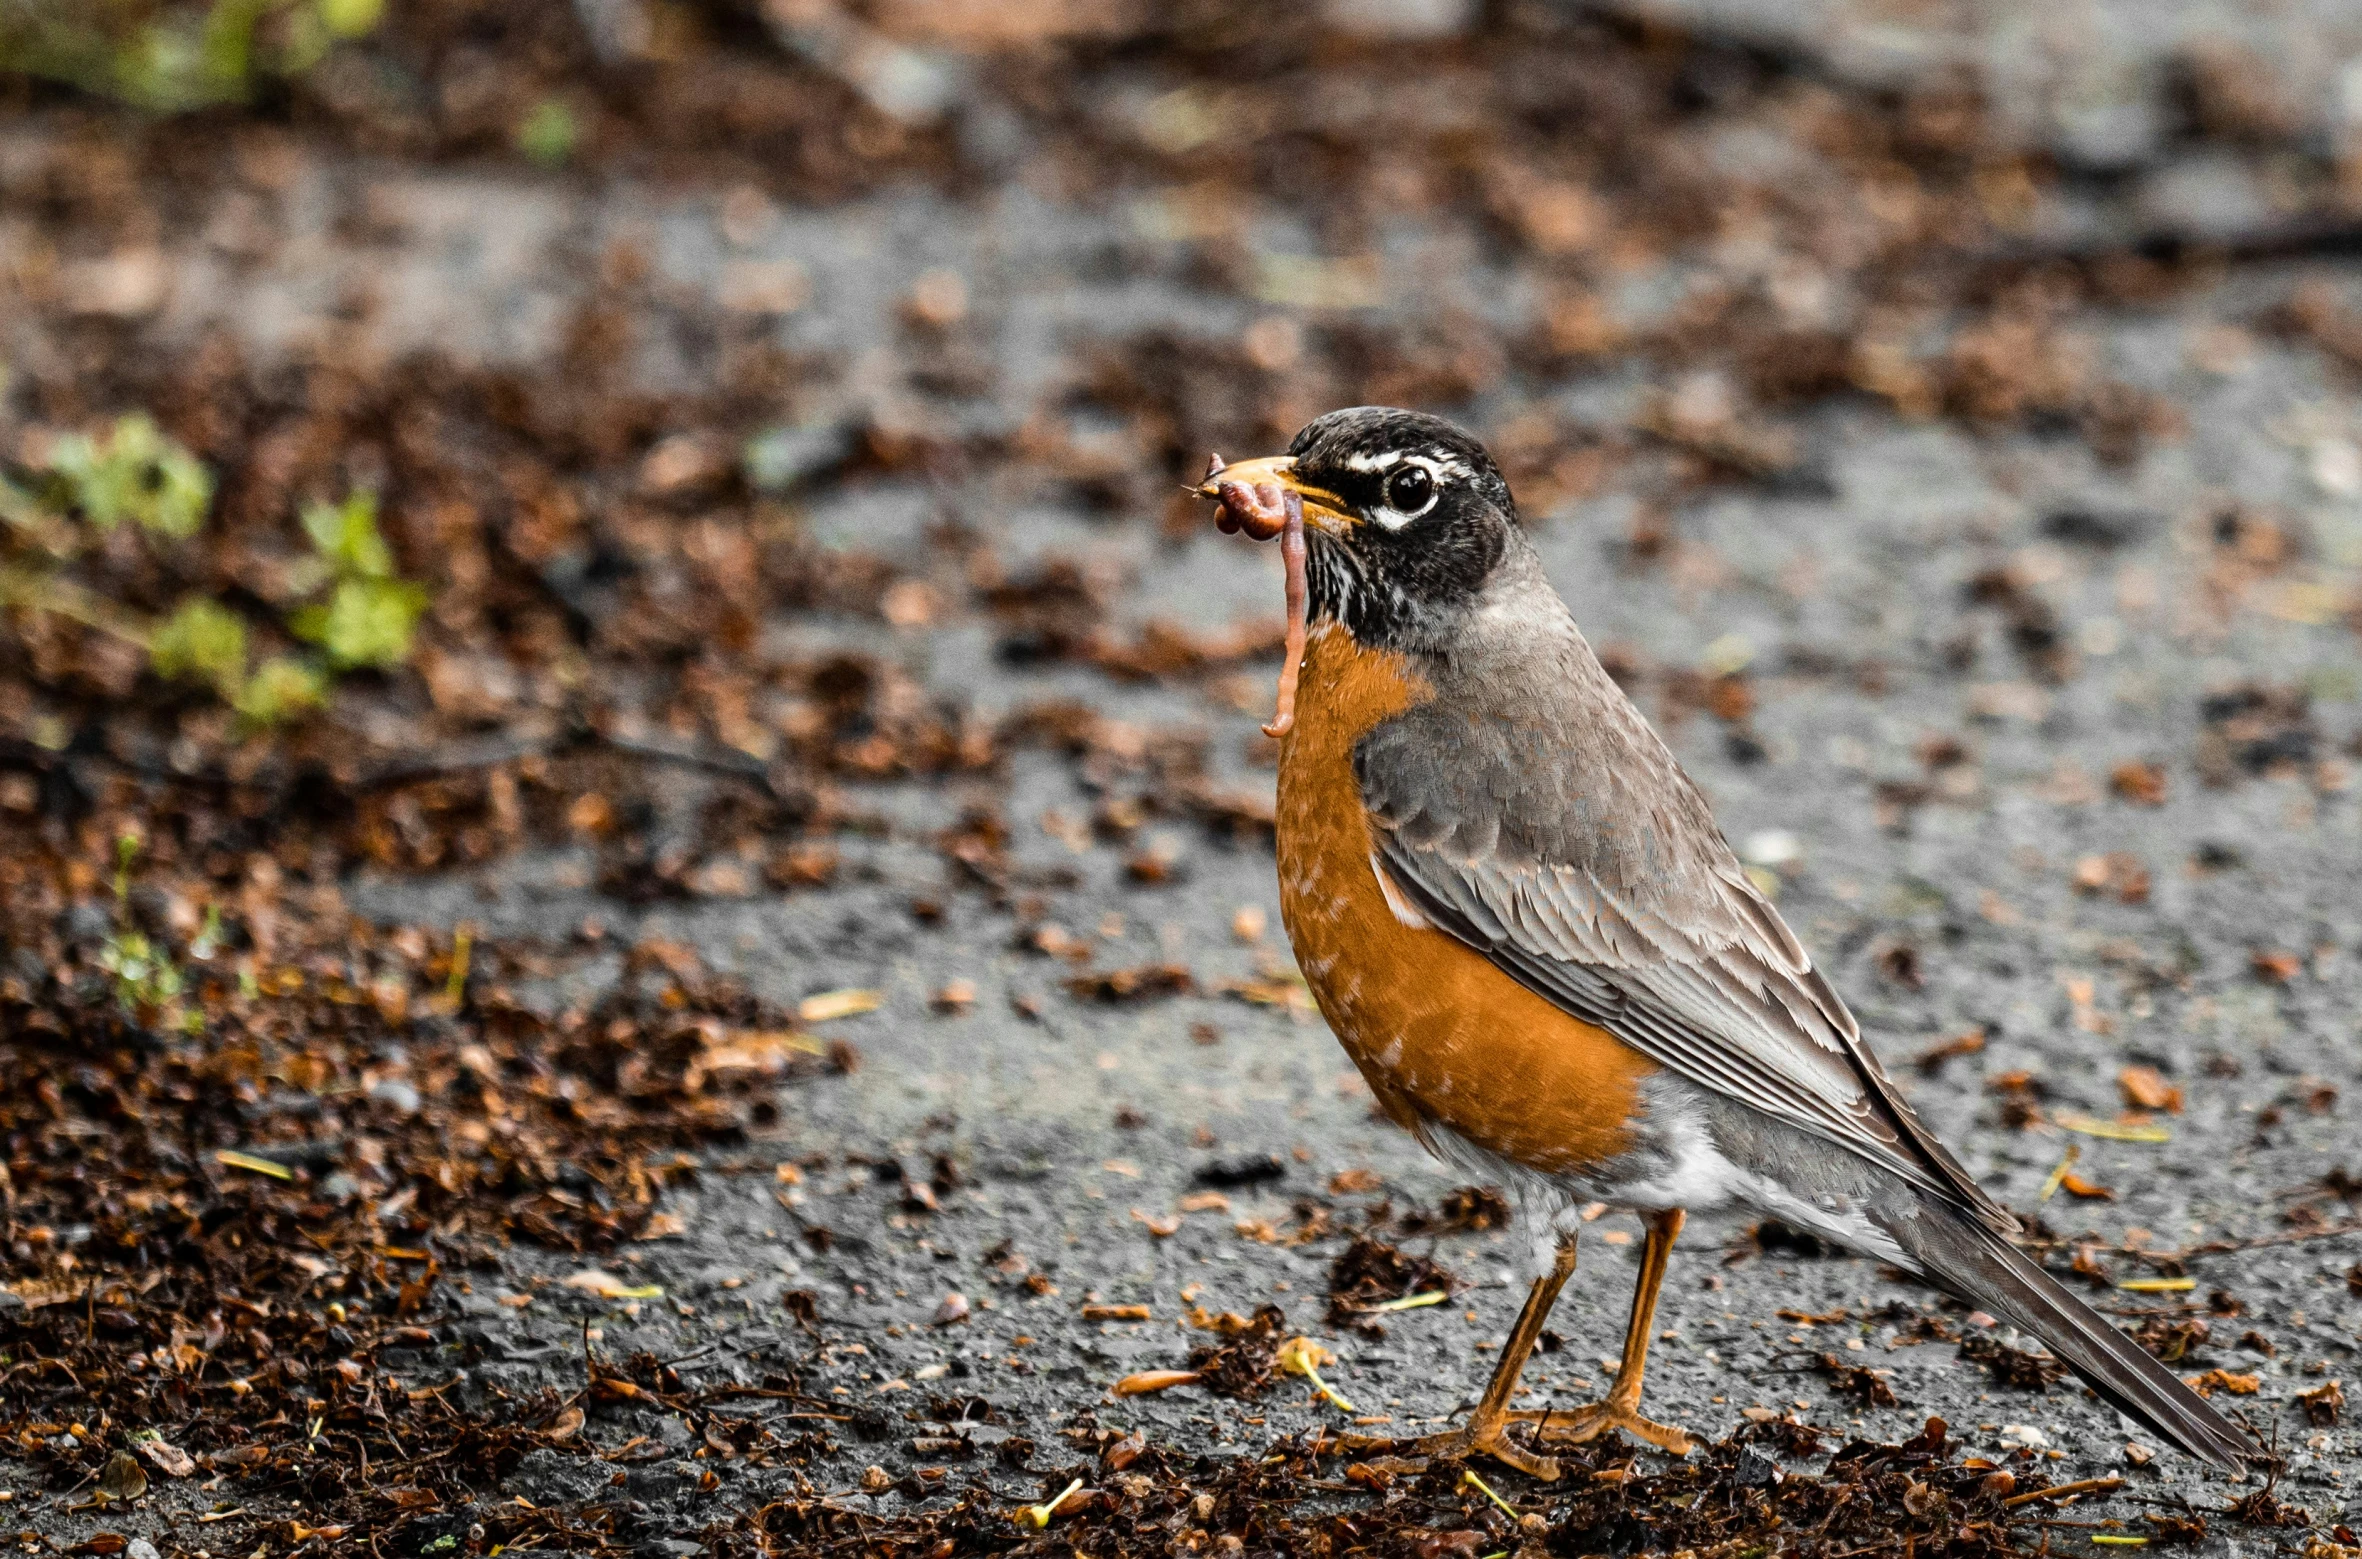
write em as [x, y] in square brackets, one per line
[1621, 1407]
[1483, 1431]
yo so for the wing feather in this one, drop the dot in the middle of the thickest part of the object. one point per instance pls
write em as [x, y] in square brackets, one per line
[1547, 827]
[1749, 1018]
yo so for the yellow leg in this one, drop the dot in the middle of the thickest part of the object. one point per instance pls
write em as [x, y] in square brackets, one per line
[1621, 1407]
[1483, 1431]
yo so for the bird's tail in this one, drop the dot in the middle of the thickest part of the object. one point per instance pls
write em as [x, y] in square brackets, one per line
[1977, 1265]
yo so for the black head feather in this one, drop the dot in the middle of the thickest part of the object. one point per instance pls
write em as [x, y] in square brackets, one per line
[1435, 520]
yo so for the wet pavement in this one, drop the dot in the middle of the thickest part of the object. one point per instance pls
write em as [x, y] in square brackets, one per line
[2036, 742]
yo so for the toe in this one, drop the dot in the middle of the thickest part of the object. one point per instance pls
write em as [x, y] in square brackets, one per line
[1663, 1436]
[1582, 1425]
[1542, 1469]
[1565, 1425]
[1452, 1445]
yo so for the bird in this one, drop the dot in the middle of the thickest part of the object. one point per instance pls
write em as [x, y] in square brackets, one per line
[1518, 915]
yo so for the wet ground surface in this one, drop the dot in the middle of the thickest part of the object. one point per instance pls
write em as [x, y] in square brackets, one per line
[1999, 586]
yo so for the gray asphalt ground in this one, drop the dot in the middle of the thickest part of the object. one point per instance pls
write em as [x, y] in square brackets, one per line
[1925, 795]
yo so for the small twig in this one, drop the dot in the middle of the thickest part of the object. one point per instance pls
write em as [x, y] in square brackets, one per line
[2065, 1491]
[1486, 1489]
[2290, 238]
[1040, 1515]
[2211, 1247]
[737, 765]
[1418, 1301]
[451, 760]
[64, 598]
[16, 750]
[2058, 1176]
[407, 770]
[2287, 1237]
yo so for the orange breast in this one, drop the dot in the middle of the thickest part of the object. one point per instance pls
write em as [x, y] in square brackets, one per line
[1442, 1035]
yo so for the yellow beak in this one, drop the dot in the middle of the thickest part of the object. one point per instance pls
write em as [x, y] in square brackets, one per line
[1321, 507]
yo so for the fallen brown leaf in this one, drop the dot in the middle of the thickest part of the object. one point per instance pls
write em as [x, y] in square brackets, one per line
[2278, 968]
[606, 1285]
[1136, 984]
[2209, 1383]
[829, 1005]
[2145, 1088]
[122, 1478]
[1932, 1059]
[2143, 784]
[167, 1458]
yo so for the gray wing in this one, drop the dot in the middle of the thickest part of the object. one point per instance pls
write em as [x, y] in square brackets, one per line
[1567, 846]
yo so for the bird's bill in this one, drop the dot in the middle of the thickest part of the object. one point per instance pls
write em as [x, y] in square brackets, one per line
[1321, 507]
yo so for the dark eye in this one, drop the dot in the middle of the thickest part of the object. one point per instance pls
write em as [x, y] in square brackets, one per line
[1409, 490]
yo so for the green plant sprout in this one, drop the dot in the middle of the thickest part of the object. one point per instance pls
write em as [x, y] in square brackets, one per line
[370, 615]
[366, 617]
[549, 132]
[134, 473]
[173, 58]
[280, 689]
[148, 984]
[202, 641]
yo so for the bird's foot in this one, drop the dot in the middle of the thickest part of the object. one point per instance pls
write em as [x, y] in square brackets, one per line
[1581, 1425]
[1487, 1436]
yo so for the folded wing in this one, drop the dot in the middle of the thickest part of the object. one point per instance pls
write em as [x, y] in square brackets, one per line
[1570, 849]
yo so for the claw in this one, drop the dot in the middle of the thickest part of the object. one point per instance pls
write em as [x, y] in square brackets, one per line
[1457, 1445]
[1582, 1425]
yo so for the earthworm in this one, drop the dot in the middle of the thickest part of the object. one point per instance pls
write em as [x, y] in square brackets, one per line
[1265, 510]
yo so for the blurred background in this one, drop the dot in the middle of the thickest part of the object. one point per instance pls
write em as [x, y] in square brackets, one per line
[568, 568]
[641, 346]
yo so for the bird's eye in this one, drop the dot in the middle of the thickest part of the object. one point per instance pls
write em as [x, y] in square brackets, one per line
[1410, 489]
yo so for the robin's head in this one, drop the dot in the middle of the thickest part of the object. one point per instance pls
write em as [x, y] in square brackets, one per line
[1405, 516]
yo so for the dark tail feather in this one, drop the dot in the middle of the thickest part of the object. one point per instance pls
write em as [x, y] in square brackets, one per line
[1986, 1270]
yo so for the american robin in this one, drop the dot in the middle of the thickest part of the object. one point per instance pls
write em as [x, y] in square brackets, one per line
[1519, 917]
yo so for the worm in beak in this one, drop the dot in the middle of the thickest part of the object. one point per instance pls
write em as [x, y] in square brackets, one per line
[1263, 509]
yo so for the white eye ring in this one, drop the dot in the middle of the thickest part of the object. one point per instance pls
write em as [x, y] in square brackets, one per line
[1392, 518]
